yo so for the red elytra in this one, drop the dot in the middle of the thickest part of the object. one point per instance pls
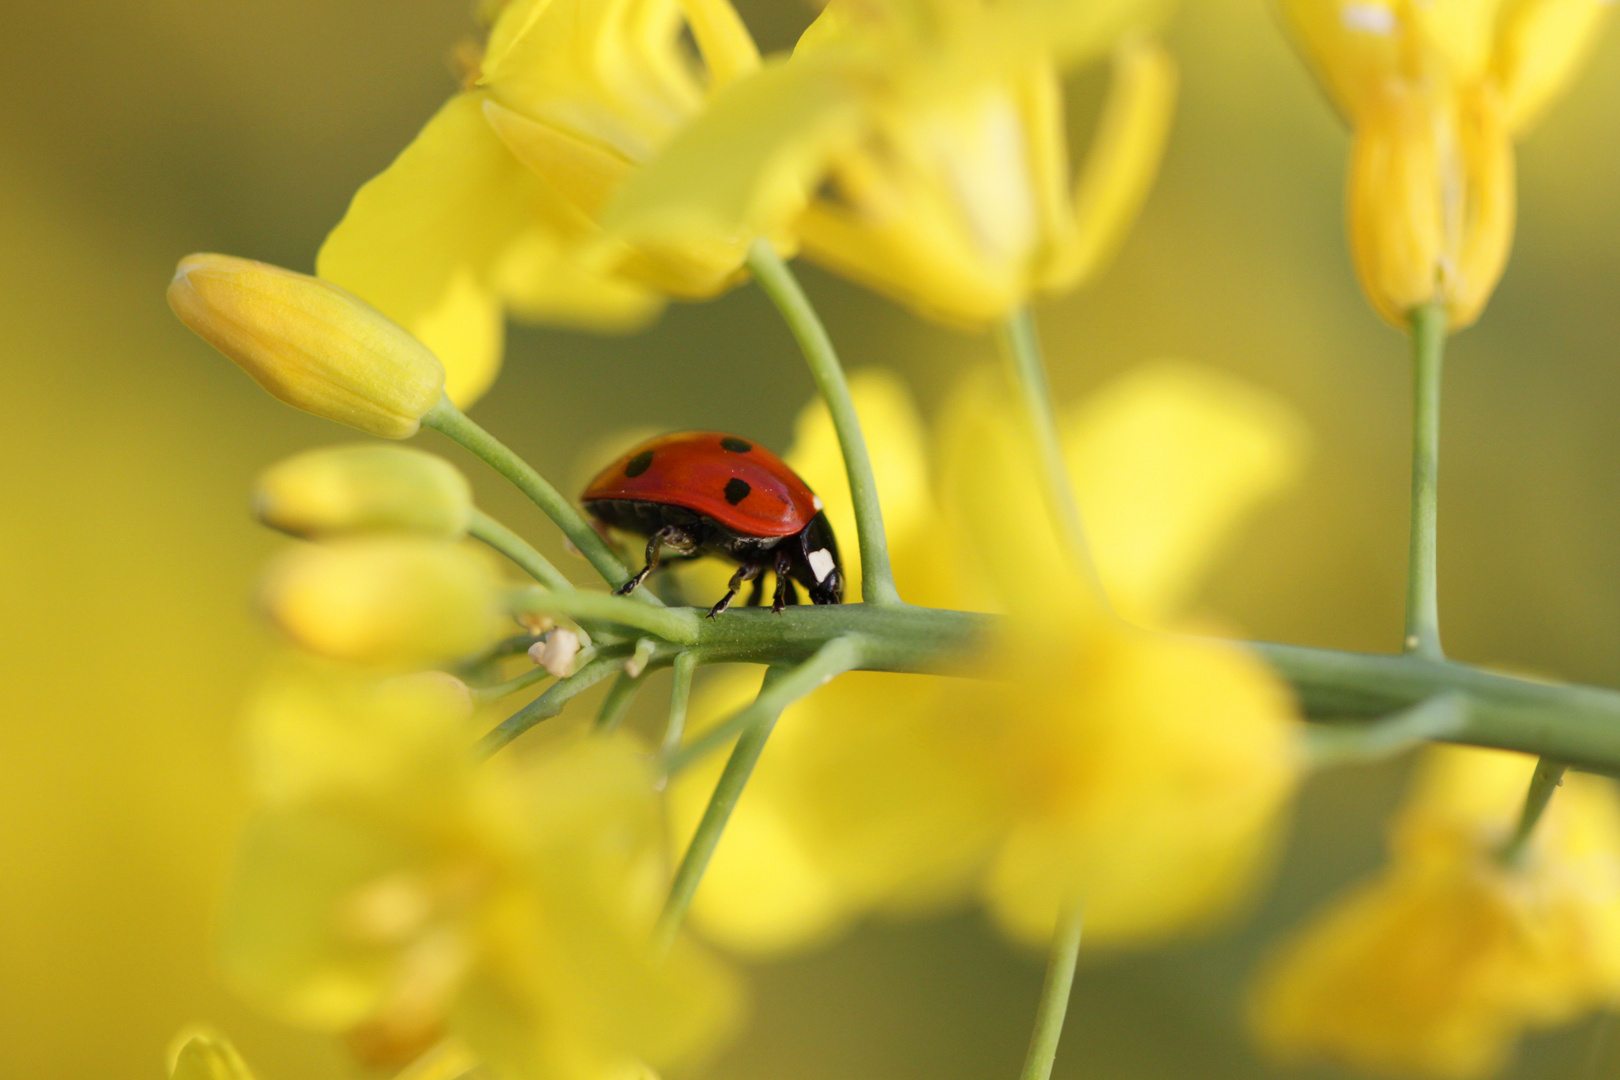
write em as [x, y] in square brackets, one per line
[737, 483]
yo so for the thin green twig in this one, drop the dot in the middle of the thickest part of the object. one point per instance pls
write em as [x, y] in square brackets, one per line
[1439, 717]
[672, 624]
[535, 675]
[1021, 345]
[620, 696]
[551, 702]
[837, 656]
[877, 578]
[1054, 1006]
[680, 697]
[729, 788]
[1422, 599]
[1544, 781]
[487, 530]
[450, 421]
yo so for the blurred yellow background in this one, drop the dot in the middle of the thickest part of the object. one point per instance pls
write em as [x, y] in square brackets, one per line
[134, 131]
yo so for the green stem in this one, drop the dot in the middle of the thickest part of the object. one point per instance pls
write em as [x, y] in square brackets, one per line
[680, 697]
[487, 530]
[834, 658]
[620, 696]
[1440, 717]
[1544, 781]
[671, 624]
[877, 578]
[1054, 1006]
[739, 767]
[484, 694]
[1021, 345]
[551, 702]
[450, 421]
[1422, 603]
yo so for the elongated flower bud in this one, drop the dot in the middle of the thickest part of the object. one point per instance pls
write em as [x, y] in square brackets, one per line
[391, 601]
[309, 343]
[367, 487]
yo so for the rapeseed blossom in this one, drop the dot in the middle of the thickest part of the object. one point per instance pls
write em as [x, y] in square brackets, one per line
[919, 148]
[1438, 965]
[1435, 94]
[394, 889]
[493, 208]
[1139, 774]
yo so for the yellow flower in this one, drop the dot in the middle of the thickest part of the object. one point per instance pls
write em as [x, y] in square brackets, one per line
[919, 148]
[309, 343]
[1435, 94]
[1141, 774]
[200, 1054]
[1437, 966]
[389, 600]
[341, 490]
[394, 889]
[493, 208]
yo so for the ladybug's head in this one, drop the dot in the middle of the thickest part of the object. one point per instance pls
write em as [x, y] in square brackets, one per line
[818, 558]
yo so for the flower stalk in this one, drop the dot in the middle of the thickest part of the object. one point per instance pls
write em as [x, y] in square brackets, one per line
[498, 537]
[451, 422]
[1021, 346]
[1547, 778]
[1422, 590]
[877, 577]
[1054, 1006]
[739, 767]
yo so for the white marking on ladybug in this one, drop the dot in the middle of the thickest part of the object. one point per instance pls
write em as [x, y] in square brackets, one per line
[815, 501]
[821, 564]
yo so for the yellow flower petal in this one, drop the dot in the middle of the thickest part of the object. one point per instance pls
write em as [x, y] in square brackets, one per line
[453, 231]
[1167, 460]
[206, 1055]
[1121, 164]
[1541, 45]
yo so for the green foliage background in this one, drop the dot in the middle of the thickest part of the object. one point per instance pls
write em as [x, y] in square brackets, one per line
[134, 131]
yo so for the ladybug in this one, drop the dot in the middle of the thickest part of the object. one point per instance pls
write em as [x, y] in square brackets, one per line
[705, 492]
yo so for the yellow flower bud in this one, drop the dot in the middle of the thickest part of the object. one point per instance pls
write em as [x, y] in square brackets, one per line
[309, 343]
[385, 600]
[364, 488]
[199, 1054]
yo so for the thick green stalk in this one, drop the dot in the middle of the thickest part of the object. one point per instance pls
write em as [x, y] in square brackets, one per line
[837, 656]
[729, 788]
[1544, 781]
[1054, 1006]
[450, 421]
[497, 536]
[1021, 345]
[877, 578]
[1422, 603]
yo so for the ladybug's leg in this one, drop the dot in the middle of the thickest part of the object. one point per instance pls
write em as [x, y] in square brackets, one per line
[674, 537]
[756, 595]
[785, 592]
[745, 573]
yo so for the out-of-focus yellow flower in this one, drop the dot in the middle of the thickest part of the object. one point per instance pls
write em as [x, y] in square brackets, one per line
[923, 144]
[1435, 94]
[367, 487]
[1438, 965]
[388, 600]
[1140, 774]
[493, 208]
[394, 889]
[206, 1055]
[309, 343]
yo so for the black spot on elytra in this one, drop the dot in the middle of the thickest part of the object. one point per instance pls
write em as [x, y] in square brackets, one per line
[736, 445]
[638, 464]
[736, 490]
